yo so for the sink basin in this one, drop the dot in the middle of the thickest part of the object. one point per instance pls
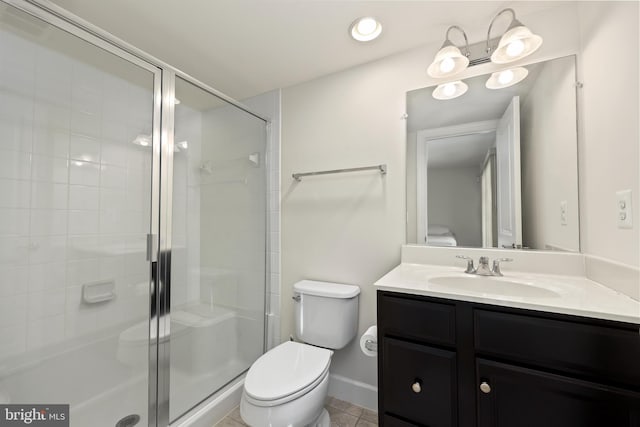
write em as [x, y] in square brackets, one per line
[495, 286]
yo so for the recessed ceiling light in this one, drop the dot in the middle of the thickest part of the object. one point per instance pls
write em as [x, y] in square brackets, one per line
[365, 29]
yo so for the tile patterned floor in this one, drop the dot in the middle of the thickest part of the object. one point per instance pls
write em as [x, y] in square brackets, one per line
[343, 414]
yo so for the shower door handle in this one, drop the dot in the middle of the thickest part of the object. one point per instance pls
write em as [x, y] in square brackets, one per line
[152, 247]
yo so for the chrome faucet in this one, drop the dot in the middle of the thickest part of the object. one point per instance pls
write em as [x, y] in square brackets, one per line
[483, 266]
[470, 269]
[495, 269]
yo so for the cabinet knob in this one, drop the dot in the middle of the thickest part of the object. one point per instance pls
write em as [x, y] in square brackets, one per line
[416, 386]
[485, 387]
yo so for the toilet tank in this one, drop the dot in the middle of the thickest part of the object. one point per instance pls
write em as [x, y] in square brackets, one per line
[326, 314]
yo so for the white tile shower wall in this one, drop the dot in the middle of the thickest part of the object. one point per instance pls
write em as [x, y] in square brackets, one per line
[75, 195]
[230, 195]
[268, 104]
[233, 199]
[186, 271]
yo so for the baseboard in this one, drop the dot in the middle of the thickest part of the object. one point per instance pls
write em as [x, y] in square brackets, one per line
[213, 410]
[353, 391]
[619, 277]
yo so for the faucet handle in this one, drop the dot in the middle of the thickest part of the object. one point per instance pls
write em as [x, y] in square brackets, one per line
[496, 265]
[470, 269]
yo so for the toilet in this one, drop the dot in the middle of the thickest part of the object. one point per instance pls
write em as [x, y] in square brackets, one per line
[287, 386]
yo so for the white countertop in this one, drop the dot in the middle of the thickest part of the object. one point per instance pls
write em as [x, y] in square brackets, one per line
[574, 295]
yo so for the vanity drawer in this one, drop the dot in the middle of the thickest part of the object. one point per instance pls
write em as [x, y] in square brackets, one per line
[607, 353]
[417, 319]
[419, 383]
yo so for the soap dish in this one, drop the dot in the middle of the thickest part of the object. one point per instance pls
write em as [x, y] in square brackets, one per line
[97, 292]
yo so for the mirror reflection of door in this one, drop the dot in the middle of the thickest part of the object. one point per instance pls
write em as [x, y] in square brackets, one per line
[450, 165]
[508, 177]
[489, 204]
[478, 166]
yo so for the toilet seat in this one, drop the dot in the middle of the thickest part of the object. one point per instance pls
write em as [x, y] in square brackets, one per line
[285, 373]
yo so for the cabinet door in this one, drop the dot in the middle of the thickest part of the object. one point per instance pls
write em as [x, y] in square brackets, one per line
[419, 383]
[511, 396]
[390, 421]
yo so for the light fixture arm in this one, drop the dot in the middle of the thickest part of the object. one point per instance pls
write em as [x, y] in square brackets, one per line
[513, 19]
[466, 40]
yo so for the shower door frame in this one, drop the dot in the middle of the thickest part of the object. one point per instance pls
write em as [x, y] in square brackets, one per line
[159, 240]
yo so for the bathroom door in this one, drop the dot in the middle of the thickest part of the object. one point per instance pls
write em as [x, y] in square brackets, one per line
[508, 177]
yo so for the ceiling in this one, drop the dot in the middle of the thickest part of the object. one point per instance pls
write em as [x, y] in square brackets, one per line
[247, 47]
[460, 151]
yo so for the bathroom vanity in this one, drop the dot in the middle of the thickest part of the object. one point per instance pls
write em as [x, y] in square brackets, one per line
[563, 353]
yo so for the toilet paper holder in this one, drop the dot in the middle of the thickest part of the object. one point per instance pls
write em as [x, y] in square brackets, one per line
[371, 345]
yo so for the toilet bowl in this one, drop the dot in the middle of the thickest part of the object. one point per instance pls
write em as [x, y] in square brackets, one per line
[288, 385]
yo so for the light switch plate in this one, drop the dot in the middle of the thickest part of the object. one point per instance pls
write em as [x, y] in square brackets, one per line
[623, 205]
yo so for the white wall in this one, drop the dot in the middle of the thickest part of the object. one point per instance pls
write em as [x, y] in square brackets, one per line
[608, 110]
[548, 144]
[342, 228]
[462, 213]
[349, 228]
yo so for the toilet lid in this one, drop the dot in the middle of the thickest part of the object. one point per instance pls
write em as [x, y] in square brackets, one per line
[286, 369]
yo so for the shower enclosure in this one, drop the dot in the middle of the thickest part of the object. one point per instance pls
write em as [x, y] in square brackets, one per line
[133, 226]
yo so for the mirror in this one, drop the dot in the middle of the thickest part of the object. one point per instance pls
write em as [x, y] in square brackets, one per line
[496, 167]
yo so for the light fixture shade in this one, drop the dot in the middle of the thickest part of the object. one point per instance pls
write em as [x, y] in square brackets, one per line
[517, 43]
[506, 78]
[142, 140]
[448, 62]
[450, 90]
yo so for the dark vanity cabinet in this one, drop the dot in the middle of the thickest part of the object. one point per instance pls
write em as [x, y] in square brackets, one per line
[453, 363]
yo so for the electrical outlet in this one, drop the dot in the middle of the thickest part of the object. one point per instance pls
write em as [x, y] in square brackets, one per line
[563, 213]
[625, 214]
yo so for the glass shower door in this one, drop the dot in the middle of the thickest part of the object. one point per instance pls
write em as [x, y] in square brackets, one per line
[218, 245]
[76, 124]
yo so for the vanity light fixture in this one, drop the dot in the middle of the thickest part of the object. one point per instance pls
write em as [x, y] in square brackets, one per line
[506, 78]
[449, 60]
[450, 90]
[516, 43]
[365, 29]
